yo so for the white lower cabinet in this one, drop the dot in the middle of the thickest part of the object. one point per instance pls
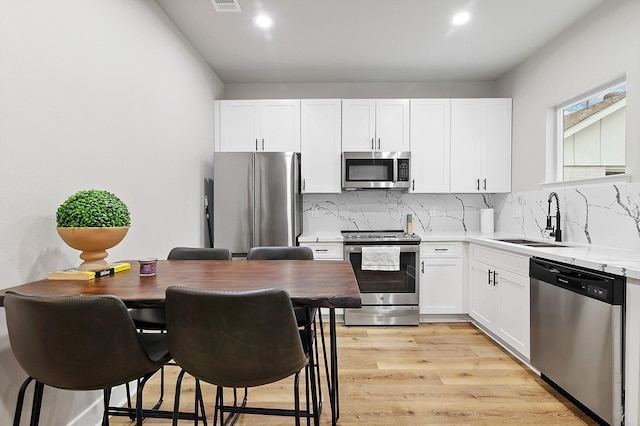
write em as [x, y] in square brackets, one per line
[499, 295]
[325, 250]
[441, 278]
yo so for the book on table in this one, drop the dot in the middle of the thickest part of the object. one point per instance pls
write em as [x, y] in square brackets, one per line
[76, 274]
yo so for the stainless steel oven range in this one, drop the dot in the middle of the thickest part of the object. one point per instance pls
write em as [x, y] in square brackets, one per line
[390, 293]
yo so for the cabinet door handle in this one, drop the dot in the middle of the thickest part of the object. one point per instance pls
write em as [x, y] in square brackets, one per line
[256, 144]
[304, 184]
[378, 143]
[263, 144]
[372, 145]
[441, 249]
[489, 277]
[322, 250]
[484, 181]
[495, 278]
[423, 266]
[413, 184]
[478, 184]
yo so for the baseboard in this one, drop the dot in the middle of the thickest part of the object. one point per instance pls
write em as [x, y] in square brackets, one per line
[505, 345]
[425, 318]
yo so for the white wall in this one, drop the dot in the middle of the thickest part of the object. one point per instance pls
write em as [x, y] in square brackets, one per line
[101, 94]
[477, 89]
[597, 50]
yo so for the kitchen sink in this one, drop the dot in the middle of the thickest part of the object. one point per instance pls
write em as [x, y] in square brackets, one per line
[529, 243]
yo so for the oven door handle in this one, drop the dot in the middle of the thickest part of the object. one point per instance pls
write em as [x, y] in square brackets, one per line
[404, 248]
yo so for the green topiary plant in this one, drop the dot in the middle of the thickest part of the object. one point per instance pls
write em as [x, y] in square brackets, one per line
[93, 209]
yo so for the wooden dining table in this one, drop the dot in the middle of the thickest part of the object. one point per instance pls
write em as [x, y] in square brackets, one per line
[310, 283]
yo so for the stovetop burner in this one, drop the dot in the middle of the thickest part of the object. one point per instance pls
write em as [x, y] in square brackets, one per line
[377, 237]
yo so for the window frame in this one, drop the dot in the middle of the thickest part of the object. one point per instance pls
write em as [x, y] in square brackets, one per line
[559, 137]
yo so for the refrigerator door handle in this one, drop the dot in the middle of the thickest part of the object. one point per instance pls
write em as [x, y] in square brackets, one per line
[253, 235]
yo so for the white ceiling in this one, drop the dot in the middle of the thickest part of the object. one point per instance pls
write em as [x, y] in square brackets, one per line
[326, 41]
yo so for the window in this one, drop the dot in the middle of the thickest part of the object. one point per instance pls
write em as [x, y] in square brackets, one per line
[591, 135]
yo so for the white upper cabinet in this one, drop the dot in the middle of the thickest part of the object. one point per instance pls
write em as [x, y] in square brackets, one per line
[320, 146]
[280, 125]
[358, 124]
[392, 124]
[430, 145]
[480, 145]
[375, 125]
[258, 125]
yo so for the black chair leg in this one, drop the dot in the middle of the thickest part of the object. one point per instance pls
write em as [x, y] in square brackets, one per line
[306, 391]
[131, 416]
[141, 383]
[176, 403]
[20, 401]
[312, 378]
[199, 405]
[37, 403]
[161, 398]
[296, 397]
[107, 398]
[218, 407]
[235, 397]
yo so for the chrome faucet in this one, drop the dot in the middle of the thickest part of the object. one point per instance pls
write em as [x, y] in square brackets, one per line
[555, 232]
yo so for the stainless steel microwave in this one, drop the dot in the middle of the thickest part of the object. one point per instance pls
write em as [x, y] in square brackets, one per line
[376, 170]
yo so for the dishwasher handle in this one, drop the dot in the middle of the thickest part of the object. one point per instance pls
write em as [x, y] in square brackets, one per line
[602, 286]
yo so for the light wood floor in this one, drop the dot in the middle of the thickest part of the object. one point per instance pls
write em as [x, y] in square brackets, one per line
[433, 374]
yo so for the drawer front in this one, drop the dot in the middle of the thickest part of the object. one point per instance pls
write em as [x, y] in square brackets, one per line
[441, 250]
[516, 263]
[332, 251]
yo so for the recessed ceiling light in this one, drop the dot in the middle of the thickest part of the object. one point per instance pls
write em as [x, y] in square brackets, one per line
[460, 18]
[263, 21]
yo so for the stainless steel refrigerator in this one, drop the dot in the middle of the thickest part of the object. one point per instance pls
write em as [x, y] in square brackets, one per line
[256, 200]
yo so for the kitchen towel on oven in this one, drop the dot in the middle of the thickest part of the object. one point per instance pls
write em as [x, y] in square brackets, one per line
[381, 258]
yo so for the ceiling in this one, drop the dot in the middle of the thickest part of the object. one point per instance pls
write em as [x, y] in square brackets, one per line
[331, 41]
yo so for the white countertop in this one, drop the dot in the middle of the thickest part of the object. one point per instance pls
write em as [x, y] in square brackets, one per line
[605, 259]
[324, 237]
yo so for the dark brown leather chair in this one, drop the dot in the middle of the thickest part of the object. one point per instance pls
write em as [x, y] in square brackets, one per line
[280, 253]
[80, 343]
[236, 340]
[197, 253]
[285, 253]
[305, 317]
[154, 318]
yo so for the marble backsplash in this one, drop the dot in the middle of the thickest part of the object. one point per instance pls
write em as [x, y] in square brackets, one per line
[387, 210]
[602, 215]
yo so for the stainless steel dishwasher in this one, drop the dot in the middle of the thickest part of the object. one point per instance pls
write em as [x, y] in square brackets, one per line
[577, 332]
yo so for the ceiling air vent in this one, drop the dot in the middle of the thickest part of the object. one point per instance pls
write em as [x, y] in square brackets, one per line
[226, 5]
